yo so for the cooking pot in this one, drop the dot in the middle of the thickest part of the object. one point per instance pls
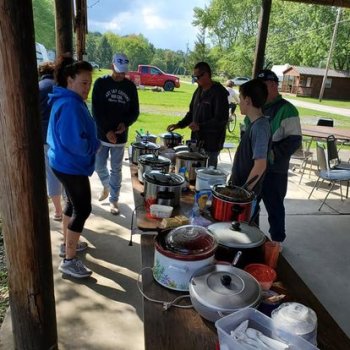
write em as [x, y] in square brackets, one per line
[149, 162]
[142, 147]
[146, 137]
[158, 186]
[170, 139]
[181, 252]
[231, 203]
[207, 177]
[219, 289]
[238, 236]
[190, 161]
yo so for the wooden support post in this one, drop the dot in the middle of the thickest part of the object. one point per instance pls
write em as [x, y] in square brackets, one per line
[23, 198]
[80, 26]
[64, 27]
[262, 36]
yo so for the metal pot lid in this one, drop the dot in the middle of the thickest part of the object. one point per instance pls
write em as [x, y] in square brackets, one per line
[224, 288]
[145, 145]
[159, 178]
[232, 193]
[237, 234]
[171, 135]
[191, 155]
[153, 160]
[190, 240]
[209, 173]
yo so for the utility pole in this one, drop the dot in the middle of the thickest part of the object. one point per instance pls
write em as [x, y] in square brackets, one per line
[330, 54]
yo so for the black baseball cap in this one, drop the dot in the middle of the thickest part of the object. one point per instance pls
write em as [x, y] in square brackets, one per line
[267, 74]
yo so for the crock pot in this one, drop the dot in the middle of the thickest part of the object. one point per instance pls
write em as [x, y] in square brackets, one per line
[170, 139]
[149, 162]
[159, 185]
[146, 137]
[207, 177]
[231, 203]
[142, 147]
[181, 252]
[221, 289]
[238, 236]
[190, 161]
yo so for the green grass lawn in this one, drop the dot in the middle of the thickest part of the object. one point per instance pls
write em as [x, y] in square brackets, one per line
[325, 102]
[159, 109]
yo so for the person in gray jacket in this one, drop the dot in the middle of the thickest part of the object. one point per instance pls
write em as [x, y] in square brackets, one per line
[208, 113]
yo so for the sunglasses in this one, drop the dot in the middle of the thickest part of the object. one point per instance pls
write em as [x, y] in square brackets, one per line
[197, 77]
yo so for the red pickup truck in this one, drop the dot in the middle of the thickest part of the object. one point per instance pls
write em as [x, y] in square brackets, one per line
[153, 76]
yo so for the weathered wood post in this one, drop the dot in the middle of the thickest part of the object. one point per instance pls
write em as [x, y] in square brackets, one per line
[23, 198]
[64, 26]
[262, 36]
[80, 27]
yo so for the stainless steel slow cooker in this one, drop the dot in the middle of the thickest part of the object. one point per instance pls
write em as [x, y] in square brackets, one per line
[162, 188]
[218, 290]
[181, 252]
[170, 139]
[190, 161]
[149, 162]
[142, 147]
[146, 137]
[207, 177]
[238, 236]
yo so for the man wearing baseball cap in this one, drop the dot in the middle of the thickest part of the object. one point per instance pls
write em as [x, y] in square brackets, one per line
[286, 139]
[115, 106]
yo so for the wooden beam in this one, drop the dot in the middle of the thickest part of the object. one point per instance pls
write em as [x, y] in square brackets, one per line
[80, 26]
[338, 3]
[262, 36]
[64, 27]
[23, 198]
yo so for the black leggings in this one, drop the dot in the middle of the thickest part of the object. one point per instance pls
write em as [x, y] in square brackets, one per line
[78, 203]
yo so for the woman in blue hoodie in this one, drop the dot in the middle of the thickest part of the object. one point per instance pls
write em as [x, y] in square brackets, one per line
[73, 143]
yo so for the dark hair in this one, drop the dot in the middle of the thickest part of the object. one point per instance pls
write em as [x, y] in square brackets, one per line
[203, 67]
[68, 67]
[47, 67]
[256, 90]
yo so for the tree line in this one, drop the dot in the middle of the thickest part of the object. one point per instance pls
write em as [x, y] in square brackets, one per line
[299, 34]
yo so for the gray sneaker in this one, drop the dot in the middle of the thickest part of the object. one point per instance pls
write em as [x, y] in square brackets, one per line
[81, 246]
[74, 268]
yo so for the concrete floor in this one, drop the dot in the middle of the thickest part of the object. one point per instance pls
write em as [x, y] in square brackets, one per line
[105, 311]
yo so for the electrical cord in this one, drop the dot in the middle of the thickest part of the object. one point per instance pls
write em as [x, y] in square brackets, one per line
[166, 304]
[132, 222]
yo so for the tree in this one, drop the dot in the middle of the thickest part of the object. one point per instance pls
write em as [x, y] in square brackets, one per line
[92, 43]
[104, 53]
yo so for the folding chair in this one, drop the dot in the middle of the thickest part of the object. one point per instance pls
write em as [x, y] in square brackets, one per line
[334, 161]
[305, 156]
[326, 174]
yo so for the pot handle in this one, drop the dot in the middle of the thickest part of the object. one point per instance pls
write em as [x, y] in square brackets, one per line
[179, 268]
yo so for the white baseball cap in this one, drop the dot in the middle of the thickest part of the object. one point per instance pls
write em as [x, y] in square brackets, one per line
[120, 63]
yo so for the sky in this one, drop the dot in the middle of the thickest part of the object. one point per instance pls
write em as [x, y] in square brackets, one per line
[167, 24]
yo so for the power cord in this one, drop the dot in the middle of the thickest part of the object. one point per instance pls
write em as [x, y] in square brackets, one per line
[166, 304]
[132, 222]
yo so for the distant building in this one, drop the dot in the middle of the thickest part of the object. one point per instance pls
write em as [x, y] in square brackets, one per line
[278, 70]
[41, 53]
[307, 81]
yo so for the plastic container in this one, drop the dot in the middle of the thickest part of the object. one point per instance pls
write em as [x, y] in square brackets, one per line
[264, 274]
[260, 322]
[161, 211]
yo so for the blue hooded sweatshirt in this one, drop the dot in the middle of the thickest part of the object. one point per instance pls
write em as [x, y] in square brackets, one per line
[72, 135]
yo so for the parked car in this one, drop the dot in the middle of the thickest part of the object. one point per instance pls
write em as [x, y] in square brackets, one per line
[240, 80]
[153, 76]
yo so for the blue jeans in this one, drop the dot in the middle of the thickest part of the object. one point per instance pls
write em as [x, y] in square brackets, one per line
[113, 179]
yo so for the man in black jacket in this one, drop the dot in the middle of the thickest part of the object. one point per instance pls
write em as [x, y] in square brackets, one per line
[208, 114]
[115, 106]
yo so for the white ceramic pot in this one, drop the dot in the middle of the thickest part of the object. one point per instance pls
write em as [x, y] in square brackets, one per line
[207, 177]
[180, 253]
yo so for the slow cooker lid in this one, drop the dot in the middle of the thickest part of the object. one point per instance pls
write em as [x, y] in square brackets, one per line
[224, 287]
[237, 234]
[171, 136]
[186, 155]
[159, 178]
[153, 160]
[210, 172]
[145, 145]
[190, 240]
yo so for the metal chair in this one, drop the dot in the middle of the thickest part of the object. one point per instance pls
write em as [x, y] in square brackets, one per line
[304, 155]
[326, 174]
[334, 161]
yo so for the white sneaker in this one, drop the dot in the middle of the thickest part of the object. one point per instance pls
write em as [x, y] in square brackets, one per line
[114, 208]
[104, 194]
[74, 268]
